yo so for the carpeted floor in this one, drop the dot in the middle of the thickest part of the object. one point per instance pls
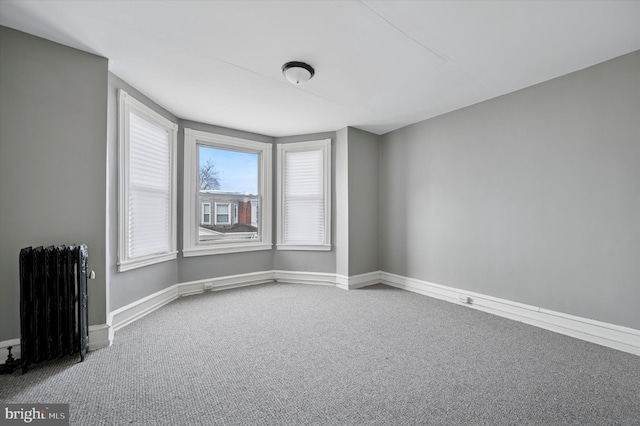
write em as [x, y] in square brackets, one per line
[283, 354]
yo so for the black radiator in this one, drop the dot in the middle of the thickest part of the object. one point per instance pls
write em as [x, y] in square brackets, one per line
[53, 303]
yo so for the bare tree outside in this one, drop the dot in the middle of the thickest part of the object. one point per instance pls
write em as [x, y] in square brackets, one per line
[208, 178]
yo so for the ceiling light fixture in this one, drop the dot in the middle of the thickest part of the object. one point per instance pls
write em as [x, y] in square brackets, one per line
[297, 72]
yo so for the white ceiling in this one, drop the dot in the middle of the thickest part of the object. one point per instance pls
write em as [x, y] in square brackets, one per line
[380, 65]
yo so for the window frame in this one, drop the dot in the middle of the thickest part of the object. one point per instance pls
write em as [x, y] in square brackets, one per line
[229, 214]
[191, 245]
[203, 213]
[127, 105]
[325, 146]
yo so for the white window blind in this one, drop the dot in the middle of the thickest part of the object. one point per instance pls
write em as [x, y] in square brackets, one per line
[149, 218]
[304, 196]
[146, 175]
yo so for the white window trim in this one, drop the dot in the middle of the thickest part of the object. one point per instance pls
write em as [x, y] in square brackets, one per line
[229, 213]
[203, 213]
[190, 240]
[304, 146]
[127, 104]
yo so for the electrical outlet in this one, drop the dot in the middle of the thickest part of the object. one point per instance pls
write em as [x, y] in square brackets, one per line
[464, 299]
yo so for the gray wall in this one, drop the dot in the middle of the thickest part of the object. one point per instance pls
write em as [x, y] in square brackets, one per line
[53, 119]
[310, 261]
[341, 196]
[532, 197]
[213, 266]
[364, 201]
[357, 171]
[129, 286]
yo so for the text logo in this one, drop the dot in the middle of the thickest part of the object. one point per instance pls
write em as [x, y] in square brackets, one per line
[34, 414]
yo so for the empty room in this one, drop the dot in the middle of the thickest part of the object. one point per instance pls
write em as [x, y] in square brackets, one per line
[363, 212]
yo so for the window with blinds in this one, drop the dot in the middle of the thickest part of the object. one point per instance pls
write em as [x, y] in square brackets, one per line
[304, 196]
[147, 185]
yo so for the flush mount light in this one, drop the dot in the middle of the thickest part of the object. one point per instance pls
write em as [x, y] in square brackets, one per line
[298, 72]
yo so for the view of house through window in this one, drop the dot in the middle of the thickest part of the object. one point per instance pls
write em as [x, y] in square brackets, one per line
[227, 194]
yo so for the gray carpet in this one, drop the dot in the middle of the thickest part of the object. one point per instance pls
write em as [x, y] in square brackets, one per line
[282, 354]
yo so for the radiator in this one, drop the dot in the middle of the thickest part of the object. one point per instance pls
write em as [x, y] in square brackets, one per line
[53, 303]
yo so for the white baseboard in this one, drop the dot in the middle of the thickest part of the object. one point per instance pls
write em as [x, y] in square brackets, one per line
[316, 278]
[100, 336]
[138, 309]
[224, 283]
[610, 335]
[605, 334]
[358, 281]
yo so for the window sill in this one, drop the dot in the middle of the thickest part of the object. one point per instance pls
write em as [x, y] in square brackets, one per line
[319, 247]
[206, 250]
[146, 261]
